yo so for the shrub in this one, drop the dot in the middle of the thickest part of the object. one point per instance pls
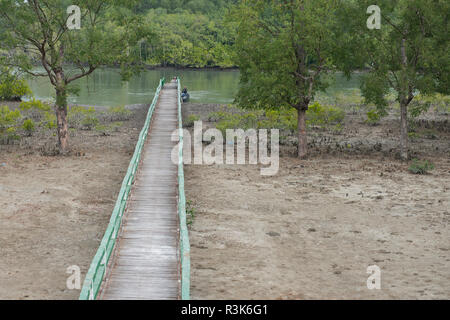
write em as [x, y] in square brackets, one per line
[439, 102]
[373, 117]
[420, 167]
[34, 104]
[49, 120]
[90, 120]
[190, 213]
[34, 109]
[104, 130]
[231, 122]
[29, 127]
[8, 124]
[119, 113]
[75, 116]
[282, 119]
[82, 118]
[191, 120]
[319, 115]
[217, 116]
[12, 88]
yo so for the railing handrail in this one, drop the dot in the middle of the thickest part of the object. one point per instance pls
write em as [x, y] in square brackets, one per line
[97, 270]
[185, 249]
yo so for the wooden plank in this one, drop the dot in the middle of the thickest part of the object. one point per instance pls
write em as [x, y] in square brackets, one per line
[145, 264]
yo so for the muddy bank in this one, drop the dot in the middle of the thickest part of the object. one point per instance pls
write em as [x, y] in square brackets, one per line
[431, 134]
[54, 210]
[311, 231]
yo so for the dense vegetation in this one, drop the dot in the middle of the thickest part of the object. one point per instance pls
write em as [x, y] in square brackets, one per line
[189, 33]
[11, 86]
[286, 50]
[37, 118]
[39, 31]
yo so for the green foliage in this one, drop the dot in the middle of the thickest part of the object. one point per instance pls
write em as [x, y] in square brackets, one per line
[9, 123]
[438, 102]
[12, 88]
[426, 47]
[75, 116]
[8, 117]
[284, 119]
[90, 120]
[420, 167]
[413, 135]
[210, 7]
[282, 50]
[49, 120]
[191, 120]
[319, 115]
[35, 109]
[408, 55]
[29, 126]
[39, 112]
[188, 40]
[231, 122]
[35, 31]
[375, 115]
[119, 113]
[103, 129]
[107, 129]
[242, 120]
[285, 51]
[82, 118]
[423, 103]
[190, 213]
[34, 104]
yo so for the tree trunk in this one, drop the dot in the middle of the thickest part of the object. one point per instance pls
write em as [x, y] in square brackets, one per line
[404, 131]
[61, 118]
[404, 104]
[302, 138]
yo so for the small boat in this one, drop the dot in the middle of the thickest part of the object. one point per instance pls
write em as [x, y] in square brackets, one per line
[185, 97]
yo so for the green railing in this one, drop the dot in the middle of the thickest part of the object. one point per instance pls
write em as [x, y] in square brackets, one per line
[185, 248]
[96, 273]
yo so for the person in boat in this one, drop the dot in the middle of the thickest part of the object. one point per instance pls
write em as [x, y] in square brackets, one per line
[185, 95]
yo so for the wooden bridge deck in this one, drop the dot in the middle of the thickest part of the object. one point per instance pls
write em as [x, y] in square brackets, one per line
[145, 265]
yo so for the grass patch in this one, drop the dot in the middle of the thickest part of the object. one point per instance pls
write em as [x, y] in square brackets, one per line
[420, 167]
[189, 123]
[190, 213]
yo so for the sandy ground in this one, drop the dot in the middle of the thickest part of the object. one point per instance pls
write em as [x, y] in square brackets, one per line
[54, 210]
[311, 231]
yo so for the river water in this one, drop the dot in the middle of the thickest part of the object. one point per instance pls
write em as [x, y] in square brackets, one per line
[105, 88]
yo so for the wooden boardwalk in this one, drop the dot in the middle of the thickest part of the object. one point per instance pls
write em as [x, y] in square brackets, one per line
[145, 265]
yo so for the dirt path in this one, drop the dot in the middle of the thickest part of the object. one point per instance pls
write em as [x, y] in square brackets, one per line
[312, 231]
[54, 210]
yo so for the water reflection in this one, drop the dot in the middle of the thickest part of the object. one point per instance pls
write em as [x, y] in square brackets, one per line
[105, 88]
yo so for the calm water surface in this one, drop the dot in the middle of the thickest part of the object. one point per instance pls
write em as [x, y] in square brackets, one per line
[105, 88]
